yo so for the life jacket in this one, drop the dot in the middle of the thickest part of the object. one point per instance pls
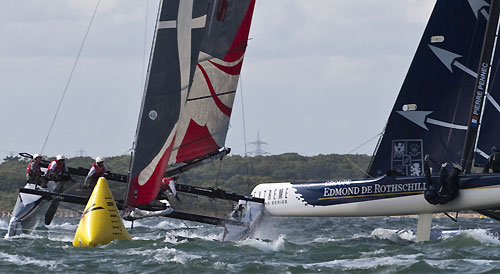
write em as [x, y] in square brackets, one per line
[28, 168]
[59, 167]
[99, 171]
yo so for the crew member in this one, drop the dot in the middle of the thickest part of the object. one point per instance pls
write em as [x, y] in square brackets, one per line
[168, 183]
[96, 171]
[34, 173]
[493, 161]
[57, 170]
[446, 188]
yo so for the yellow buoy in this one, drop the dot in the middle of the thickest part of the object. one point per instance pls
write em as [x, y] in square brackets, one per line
[100, 222]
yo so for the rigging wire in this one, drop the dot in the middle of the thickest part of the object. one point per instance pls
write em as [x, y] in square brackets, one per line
[70, 209]
[243, 115]
[143, 68]
[75, 184]
[218, 173]
[244, 132]
[353, 164]
[491, 79]
[70, 76]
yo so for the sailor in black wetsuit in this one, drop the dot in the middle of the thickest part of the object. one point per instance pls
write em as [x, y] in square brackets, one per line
[446, 188]
[493, 161]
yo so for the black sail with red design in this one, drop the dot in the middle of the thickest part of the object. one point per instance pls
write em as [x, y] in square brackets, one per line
[193, 74]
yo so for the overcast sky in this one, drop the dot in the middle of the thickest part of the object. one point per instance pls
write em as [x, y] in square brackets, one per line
[319, 76]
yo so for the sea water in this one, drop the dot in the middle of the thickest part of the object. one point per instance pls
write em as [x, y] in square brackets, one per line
[280, 245]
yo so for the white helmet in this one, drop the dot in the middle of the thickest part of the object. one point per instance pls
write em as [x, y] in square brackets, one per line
[60, 157]
[99, 159]
[36, 155]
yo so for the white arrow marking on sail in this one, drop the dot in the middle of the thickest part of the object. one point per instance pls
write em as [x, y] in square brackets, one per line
[497, 107]
[479, 5]
[420, 117]
[448, 59]
[493, 102]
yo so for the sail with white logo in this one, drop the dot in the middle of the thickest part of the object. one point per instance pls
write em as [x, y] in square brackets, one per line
[193, 74]
[489, 135]
[437, 112]
[431, 112]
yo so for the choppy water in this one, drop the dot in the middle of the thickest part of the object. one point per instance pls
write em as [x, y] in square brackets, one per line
[286, 245]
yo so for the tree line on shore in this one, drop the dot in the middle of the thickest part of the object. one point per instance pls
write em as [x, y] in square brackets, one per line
[233, 173]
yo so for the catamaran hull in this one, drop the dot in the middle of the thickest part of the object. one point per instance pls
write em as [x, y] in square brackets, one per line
[384, 196]
[29, 210]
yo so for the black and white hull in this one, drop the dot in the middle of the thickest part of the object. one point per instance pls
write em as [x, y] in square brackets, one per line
[30, 209]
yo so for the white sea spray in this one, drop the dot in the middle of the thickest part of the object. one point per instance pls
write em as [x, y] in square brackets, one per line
[4, 224]
[264, 245]
[482, 236]
[393, 234]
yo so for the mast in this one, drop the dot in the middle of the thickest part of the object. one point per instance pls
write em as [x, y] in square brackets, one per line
[431, 112]
[481, 85]
[193, 73]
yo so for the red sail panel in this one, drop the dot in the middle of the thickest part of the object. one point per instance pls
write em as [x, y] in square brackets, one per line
[225, 109]
[239, 44]
[231, 70]
[191, 85]
[197, 142]
[141, 193]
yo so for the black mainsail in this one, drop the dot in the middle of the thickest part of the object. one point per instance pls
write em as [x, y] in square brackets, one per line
[193, 74]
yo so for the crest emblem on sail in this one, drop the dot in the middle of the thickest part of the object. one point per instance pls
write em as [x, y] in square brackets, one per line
[434, 102]
[192, 79]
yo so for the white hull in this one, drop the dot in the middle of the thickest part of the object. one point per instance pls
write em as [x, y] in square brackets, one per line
[288, 199]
